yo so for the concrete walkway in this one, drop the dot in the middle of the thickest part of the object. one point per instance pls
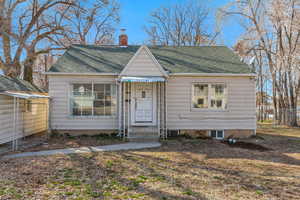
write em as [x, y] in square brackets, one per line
[115, 147]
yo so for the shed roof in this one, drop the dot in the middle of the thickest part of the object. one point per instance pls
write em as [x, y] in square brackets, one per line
[184, 59]
[15, 84]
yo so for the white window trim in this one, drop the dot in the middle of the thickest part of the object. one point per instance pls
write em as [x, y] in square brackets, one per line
[209, 97]
[218, 138]
[70, 95]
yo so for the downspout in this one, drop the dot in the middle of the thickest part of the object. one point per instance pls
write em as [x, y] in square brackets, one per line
[49, 118]
[119, 96]
[128, 109]
[17, 122]
[15, 128]
[166, 110]
[14, 125]
[124, 110]
[158, 108]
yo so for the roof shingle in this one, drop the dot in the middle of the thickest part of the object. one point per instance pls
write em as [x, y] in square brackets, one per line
[15, 84]
[184, 59]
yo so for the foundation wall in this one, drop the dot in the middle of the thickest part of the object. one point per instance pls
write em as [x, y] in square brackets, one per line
[227, 133]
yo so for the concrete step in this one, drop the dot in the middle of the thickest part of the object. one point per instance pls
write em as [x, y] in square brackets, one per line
[143, 138]
[144, 134]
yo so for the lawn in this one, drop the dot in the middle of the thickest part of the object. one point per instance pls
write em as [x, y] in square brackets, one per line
[181, 169]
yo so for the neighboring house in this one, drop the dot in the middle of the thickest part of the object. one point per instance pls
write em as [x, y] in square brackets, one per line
[42, 65]
[143, 91]
[23, 109]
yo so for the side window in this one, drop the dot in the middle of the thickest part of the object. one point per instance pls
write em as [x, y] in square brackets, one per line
[27, 107]
[218, 97]
[212, 96]
[143, 94]
[200, 96]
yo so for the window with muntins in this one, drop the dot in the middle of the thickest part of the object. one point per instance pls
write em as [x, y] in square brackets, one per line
[93, 99]
[209, 96]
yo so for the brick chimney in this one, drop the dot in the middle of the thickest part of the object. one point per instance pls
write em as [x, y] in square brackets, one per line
[123, 38]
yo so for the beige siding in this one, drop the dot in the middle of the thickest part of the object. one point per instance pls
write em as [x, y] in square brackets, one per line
[6, 118]
[36, 120]
[240, 112]
[61, 118]
[28, 123]
[142, 65]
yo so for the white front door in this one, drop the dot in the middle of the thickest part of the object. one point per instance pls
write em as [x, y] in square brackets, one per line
[144, 106]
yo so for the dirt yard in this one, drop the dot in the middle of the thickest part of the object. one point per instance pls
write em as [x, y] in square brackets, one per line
[39, 142]
[181, 169]
[65, 141]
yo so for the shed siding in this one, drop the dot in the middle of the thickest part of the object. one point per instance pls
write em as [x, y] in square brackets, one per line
[61, 118]
[28, 123]
[240, 112]
[142, 65]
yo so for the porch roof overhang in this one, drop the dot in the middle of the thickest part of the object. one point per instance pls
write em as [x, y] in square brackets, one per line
[24, 95]
[144, 79]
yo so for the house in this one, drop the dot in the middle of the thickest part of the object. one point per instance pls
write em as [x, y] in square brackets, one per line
[23, 110]
[150, 91]
[41, 65]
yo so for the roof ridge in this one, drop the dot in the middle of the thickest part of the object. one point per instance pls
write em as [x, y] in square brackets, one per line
[115, 45]
[104, 45]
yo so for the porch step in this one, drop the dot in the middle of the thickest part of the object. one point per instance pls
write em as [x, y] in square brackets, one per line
[143, 138]
[143, 134]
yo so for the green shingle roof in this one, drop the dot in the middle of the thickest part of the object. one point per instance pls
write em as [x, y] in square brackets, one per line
[186, 59]
[15, 84]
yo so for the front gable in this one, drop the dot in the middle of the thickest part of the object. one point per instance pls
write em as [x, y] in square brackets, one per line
[143, 63]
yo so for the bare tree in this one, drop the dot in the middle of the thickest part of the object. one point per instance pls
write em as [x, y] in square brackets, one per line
[253, 55]
[24, 25]
[273, 28]
[95, 24]
[33, 27]
[180, 25]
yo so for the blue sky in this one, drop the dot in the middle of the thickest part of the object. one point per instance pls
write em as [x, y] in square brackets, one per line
[135, 15]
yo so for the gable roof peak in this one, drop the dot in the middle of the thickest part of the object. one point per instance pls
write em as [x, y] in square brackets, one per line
[150, 56]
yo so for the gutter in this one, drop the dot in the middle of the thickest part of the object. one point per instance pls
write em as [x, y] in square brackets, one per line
[213, 74]
[80, 74]
[170, 74]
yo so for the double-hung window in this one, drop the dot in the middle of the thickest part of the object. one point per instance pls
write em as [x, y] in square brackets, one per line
[93, 99]
[209, 95]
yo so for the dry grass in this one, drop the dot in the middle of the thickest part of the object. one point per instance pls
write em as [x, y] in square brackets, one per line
[180, 169]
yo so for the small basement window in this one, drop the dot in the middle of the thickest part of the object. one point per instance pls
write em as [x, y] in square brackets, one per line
[217, 134]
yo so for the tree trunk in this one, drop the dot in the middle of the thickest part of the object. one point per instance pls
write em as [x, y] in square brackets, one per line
[293, 121]
[28, 70]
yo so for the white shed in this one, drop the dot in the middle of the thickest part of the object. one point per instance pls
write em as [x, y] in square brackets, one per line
[24, 110]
